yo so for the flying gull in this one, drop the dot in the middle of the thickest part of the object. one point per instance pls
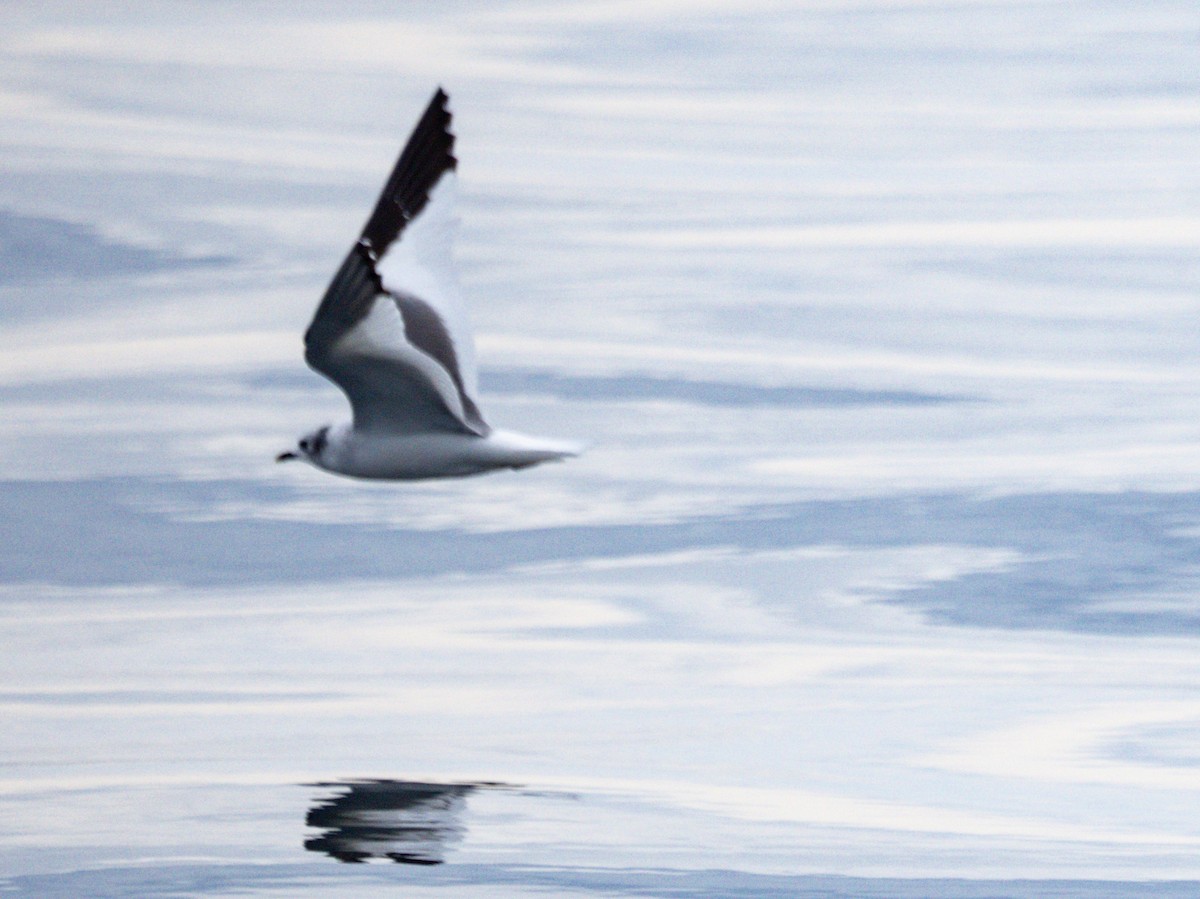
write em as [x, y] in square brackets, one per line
[392, 333]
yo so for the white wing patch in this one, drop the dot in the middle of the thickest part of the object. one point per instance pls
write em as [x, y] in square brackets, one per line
[421, 263]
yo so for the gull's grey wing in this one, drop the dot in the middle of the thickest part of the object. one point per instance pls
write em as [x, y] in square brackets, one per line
[395, 353]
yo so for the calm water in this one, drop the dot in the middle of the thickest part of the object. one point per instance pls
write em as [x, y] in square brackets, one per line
[880, 577]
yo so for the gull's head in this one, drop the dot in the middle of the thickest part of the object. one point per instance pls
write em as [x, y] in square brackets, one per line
[309, 447]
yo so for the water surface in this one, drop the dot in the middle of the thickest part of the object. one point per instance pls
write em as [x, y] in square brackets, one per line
[878, 579]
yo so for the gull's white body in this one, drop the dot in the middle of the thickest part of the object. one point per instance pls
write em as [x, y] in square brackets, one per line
[410, 457]
[392, 333]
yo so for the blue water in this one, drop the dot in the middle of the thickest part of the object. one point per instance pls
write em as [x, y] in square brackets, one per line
[879, 577]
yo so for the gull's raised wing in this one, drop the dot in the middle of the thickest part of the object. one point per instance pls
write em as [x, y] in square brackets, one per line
[391, 330]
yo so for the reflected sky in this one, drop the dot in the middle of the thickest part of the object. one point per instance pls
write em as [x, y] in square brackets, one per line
[45, 249]
[1121, 563]
[882, 562]
[476, 882]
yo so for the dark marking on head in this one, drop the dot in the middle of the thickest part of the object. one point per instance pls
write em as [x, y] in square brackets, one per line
[313, 444]
[320, 439]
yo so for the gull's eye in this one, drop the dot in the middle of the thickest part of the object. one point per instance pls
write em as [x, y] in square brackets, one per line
[304, 445]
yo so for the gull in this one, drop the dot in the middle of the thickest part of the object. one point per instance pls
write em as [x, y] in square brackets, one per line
[392, 333]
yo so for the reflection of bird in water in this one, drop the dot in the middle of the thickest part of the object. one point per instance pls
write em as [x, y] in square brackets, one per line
[410, 823]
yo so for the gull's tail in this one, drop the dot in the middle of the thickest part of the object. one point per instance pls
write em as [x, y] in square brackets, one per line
[522, 450]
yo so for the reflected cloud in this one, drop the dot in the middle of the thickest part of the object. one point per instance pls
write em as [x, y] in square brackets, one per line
[409, 822]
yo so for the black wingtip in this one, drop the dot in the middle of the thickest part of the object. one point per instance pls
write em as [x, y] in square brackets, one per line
[428, 154]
